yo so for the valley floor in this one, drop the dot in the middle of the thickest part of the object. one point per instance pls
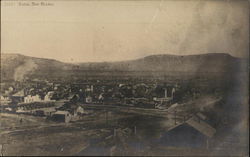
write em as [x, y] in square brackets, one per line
[36, 136]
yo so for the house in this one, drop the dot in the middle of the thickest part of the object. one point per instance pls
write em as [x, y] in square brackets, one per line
[4, 99]
[62, 116]
[76, 113]
[88, 99]
[21, 110]
[73, 98]
[89, 89]
[19, 94]
[46, 111]
[79, 110]
[9, 109]
[18, 97]
[194, 133]
[48, 96]
[30, 98]
[11, 89]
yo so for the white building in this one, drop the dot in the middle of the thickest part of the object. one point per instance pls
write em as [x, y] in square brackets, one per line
[48, 96]
[89, 88]
[4, 98]
[79, 110]
[30, 98]
[11, 89]
[88, 99]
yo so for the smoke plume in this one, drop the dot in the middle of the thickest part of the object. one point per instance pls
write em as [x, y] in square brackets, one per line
[24, 69]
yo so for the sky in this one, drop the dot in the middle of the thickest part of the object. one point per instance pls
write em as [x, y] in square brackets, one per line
[108, 30]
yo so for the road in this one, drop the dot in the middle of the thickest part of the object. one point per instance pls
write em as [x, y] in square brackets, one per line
[128, 109]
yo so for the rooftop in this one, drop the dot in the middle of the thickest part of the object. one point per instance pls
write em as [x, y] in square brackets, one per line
[62, 112]
[199, 125]
[19, 94]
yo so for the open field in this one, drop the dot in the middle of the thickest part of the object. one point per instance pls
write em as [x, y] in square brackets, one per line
[34, 136]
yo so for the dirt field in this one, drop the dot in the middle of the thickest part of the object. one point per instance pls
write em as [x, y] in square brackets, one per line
[38, 136]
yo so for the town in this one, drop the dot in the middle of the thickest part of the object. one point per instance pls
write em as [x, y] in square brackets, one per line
[46, 99]
[116, 109]
[99, 109]
[124, 78]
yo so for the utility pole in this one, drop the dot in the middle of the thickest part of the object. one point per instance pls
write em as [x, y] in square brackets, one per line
[165, 93]
[207, 144]
[114, 132]
[135, 130]
[175, 117]
[2, 149]
[106, 117]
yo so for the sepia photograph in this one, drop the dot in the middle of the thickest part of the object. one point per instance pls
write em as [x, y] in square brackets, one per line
[124, 78]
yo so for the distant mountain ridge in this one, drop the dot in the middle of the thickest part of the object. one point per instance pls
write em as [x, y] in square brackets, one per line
[214, 62]
[16, 66]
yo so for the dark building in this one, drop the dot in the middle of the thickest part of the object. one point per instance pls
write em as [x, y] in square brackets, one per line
[193, 133]
[18, 97]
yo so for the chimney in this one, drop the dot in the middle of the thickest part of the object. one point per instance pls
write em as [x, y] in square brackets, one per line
[166, 92]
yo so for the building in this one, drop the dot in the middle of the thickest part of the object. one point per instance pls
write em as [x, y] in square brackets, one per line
[194, 133]
[48, 96]
[21, 110]
[73, 98]
[11, 89]
[34, 106]
[90, 88]
[79, 110]
[62, 116]
[30, 98]
[77, 113]
[169, 93]
[4, 100]
[88, 99]
[18, 97]
[46, 111]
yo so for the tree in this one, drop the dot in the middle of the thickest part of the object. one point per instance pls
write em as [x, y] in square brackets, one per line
[140, 91]
[127, 91]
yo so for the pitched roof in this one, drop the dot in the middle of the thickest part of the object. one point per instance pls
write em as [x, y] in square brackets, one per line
[19, 94]
[201, 126]
[61, 112]
[51, 109]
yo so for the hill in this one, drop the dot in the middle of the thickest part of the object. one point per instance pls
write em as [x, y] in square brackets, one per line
[212, 62]
[17, 67]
